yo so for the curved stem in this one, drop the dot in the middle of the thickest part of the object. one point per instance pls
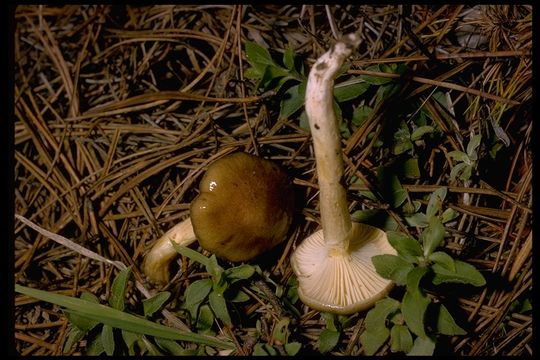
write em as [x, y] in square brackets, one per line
[335, 217]
[156, 262]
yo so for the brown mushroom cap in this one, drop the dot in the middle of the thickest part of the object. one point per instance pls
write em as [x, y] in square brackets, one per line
[244, 207]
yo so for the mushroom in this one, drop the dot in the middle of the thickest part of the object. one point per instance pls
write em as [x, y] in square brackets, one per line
[333, 265]
[244, 208]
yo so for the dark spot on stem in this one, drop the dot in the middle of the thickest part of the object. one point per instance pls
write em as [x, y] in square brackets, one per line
[317, 126]
[322, 66]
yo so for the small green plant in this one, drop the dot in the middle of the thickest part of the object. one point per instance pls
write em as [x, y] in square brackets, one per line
[280, 338]
[466, 162]
[404, 138]
[420, 219]
[288, 77]
[417, 262]
[103, 325]
[216, 290]
[335, 324]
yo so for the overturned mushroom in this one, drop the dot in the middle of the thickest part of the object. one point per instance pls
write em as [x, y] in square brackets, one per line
[244, 208]
[333, 265]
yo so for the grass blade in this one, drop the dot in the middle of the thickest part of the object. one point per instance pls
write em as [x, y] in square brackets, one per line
[121, 320]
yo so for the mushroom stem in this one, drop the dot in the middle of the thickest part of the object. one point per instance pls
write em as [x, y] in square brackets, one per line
[156, 262]
[335, 217]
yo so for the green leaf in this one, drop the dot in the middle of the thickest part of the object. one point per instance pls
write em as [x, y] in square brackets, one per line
[95, 347]
[376, 331]
[376, 317]
[274, 77]
[440, 97]
[419, 132]
[259, 350]
[293, 100]
[219, 306]
[171, 347]
[433, 236]
[372, 340]
[402, 140]
[392, 267]
[118, 319]
[361, 114]
[338, 112]
[459, 156]
[241, 272]
[444, 260]
[350, 89]
[342, 70]
[252, 73]
[279, 79]
[239, 297]
[418, 219]
[473, 145]
[449, 215]
[411, 207]
[214, 269]
[82, 323]
[130, 339]
[118, 289]
[364, 215]
[288, 58]
[304, 122]
[85, 295]
[465, 274]
[264, 350]
[423, 346]
[389, 224]
[402, 147]
[191, 254]
[329, 319]
[292, 290]
[292, 348]
[400, 339]
[446, 324]
[411, 169]
[257, 56]
[393, 191]
[205, 320]
[415, 303]
[344, 130]
[107, 339]
[74, 336]
[148, 345]
[414, 308]
[461, 170]
[373, 79]
[414, 277]
[435, 201]
[525, 306]
[466, 174]
[281, 331]
[154, 303]
[197, 292]
[404, 244]
[386, 91]
[328, 340]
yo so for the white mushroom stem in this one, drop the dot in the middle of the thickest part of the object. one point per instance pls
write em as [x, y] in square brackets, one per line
[333, 266]
[156, 262]
[335, 217]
